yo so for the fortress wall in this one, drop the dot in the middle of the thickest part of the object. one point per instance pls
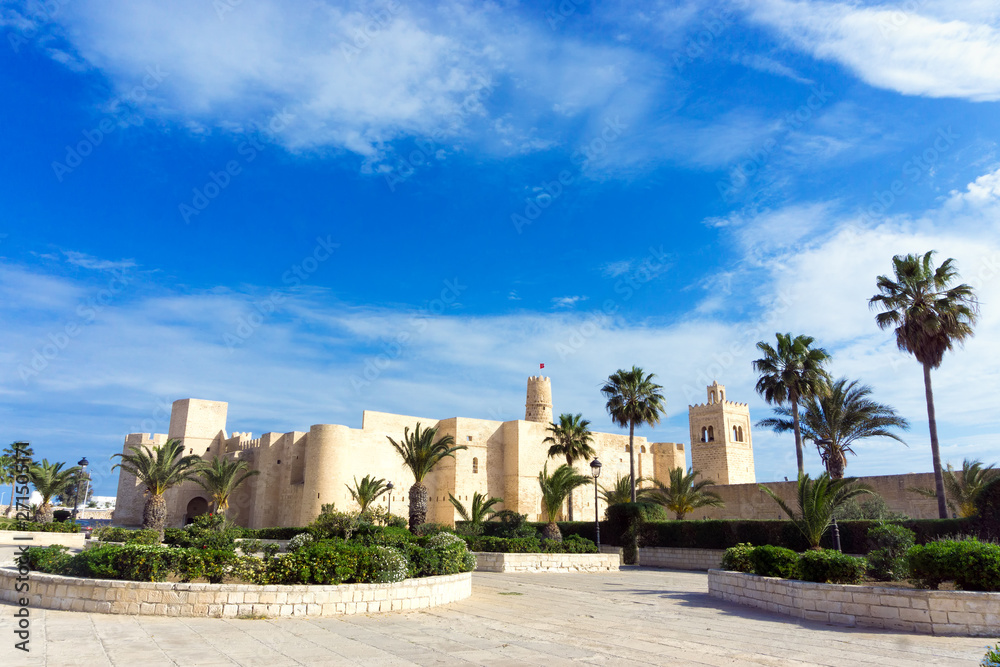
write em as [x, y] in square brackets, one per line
[265, 498]
[747, 501]
[131, 496]
[241, 502]
[389, 424]
[198, 423]
[474, 468]
[327, 452]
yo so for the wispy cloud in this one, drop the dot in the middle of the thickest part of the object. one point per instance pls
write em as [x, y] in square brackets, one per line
[764, 63]
[567, 301]
[86, 261]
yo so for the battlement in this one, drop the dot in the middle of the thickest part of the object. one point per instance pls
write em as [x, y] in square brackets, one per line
[538, 406]
[733, 404]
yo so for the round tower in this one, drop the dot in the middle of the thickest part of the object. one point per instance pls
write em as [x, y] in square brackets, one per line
[538, 407]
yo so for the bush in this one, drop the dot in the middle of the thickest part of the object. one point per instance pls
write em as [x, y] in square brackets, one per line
[444, 553]
[887, 547]
[211, 564]
[508, 523]
[33, 527]
[251, 546]
[61, 515]
[332, 524]
[737, 559]
[828, 565]
[382, 565]
[873, 509]
[98, 563]
[143, 536]
[273, 533]
[971, 564]
[572, 544]
[321, 562]
[112, 534]
[299, 541]
[987, 518]
[770, 561]
[932, 564]
[508, 545]
[428, 528]
[385, 536]
[52, 559]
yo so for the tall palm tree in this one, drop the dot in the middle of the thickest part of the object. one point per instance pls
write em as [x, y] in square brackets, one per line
[929, 315]
[49, 479]
[367, 491]
[840, 413]
[620, 492]
[789, 373]
[818, 500]
[159, 468]
[633, 400]
[554, 491]
[420, 453]
[221, 477]
[684, 494]
[482, 507]
[7, 476]
[962, 493]
[19, 456]
[571, 438]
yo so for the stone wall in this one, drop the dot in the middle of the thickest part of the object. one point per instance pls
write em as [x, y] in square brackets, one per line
[929, 612]
[680, 559]
[503, 562]
[40, 539]
[50, 591]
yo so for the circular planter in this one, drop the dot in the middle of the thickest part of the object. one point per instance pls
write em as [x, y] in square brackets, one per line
[52, 591]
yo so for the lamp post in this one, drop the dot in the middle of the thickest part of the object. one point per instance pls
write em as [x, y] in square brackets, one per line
[595, 470]
[389, 487]
[826, 442]
[82, 476]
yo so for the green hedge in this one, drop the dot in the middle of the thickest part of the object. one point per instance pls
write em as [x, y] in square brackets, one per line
[272, 533]
[32, 527]
[971, 564]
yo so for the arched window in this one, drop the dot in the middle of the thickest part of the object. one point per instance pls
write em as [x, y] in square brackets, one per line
[736, 434]
[722, 396]
[741, 433]
[626, 449]
[711, 434]
[704, 434]
[475, 465]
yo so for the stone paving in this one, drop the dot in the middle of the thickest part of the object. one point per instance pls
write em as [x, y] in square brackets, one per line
[633, 617]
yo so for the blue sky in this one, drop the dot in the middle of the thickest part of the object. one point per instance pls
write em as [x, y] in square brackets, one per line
[407, 207]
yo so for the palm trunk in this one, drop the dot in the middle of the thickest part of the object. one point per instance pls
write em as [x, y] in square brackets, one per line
[935, 451]
[418, 505]
[154, 513]
[44, 513]
[836, 464]
[631, 456]
[798, 434]
[569, 498]
[551, 531]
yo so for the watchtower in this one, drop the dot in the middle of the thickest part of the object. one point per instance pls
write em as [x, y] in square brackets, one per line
[721, 445]
[538, 406]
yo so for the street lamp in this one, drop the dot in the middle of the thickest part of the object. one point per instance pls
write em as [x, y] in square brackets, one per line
[826, 442]
[83, 463]
[389, 487]
[595, 470]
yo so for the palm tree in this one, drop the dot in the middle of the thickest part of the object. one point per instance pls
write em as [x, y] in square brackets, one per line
[482, 507]
[818, 499]
[15, 456]
[554, 491]
[221, 478]
[930, 316]
[159, 468]
[7, 476]
[620, 492]
[840, 414]
[962, 493]
[49, 479]
[420, 453]
[633, 400]
[684, 494]
[789, 373]
[367, 491]
[571, 438]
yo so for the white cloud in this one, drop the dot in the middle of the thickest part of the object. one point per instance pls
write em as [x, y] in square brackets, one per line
[86, 261]
[567, 301]
[771, 66]
[890, 47]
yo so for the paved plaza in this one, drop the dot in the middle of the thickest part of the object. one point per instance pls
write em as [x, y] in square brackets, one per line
[633, 617]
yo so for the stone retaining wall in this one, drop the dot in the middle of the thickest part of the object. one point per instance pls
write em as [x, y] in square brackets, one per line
[40, 539]
[51, 591]
[965, 613]
[681, 559]
[542, 562]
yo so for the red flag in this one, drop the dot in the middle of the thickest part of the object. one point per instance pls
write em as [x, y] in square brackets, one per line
[541, 365]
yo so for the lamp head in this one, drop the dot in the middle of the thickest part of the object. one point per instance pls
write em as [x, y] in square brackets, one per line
[595, 468]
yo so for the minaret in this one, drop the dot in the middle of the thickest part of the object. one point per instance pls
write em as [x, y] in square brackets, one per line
[721, 444]
[538, 407]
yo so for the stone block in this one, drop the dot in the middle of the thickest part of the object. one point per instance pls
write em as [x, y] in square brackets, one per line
[894, 601]
[915, 615]
[885, 612]
[940, 603]
[843, 619]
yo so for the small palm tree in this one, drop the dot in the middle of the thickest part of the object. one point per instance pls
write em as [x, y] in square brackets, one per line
[554, 491]
[633, 400]
[818, 499]
[158, 469]
[571, 438]
[221, 477]
[620, 492]
[7, 476]
[367, 491]
[789, 373]
[962, 493]
[836, 417]
[420, 453]
[929, 315]
[49, 479]
[482, 507]
[684, 494]
[13, 455]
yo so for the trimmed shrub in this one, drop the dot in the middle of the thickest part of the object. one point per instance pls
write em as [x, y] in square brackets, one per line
[887, 547]
[828, 565]
[770, 561]
[299, 541]
[211, 564]
[626, 525]
[98, 563]
[249, 547]
[428, 528]
[971, 564]
[508, 523]
[273, 533]
[737, 559]
[930, 564]
[112, 534]
[52, 559]
[573, 544]
[509, 545]
[385, 536]
[332, 524]
[143, 536]
[33, 527]
[322, 562]
[61, 515]
[382, 565]
[444, 553]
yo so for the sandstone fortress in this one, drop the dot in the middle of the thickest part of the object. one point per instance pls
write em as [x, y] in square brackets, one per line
[301, 471]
